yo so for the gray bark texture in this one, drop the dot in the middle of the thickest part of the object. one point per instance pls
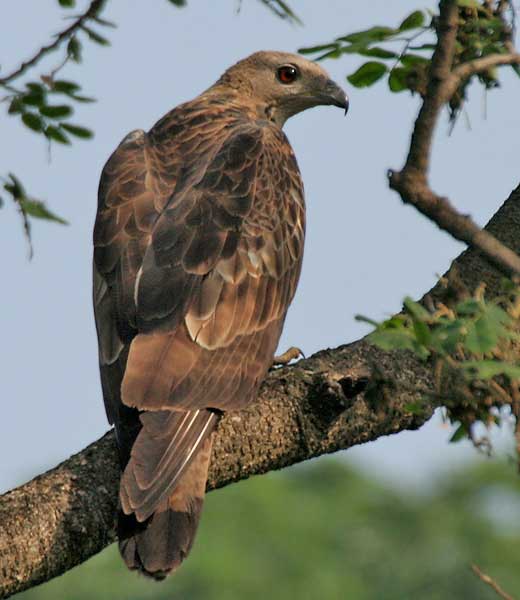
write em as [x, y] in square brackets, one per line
[333, 400]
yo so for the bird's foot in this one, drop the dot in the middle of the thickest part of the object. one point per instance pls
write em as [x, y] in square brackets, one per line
[284, 359]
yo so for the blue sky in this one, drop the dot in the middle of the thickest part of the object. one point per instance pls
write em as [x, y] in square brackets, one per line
[364, 252]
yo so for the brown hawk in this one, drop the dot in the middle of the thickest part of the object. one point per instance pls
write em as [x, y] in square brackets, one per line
[198, 245]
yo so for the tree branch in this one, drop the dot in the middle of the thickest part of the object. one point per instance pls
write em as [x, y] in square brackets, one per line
[420, 145]
[491, 582]
[93, 9]
[331, 401]
[412, 181]
[414, 189]
[473, 67]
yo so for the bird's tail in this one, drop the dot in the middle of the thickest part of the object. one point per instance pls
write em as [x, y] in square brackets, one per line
[158, 545]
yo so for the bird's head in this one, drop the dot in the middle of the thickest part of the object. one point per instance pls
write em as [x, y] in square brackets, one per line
[281, 85]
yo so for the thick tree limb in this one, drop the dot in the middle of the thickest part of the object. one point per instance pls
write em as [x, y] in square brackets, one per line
[412, 181]
[331, 401]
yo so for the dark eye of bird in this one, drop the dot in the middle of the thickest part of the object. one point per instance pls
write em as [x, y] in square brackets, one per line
[287, 74]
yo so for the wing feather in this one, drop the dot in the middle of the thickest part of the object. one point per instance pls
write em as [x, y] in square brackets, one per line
[198, 247]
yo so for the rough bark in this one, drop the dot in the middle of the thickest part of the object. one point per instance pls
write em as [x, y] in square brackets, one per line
[333, 400]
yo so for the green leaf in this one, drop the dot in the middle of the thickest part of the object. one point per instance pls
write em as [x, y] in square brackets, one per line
[374, 34]
[33, 121]
[82, 98]
[33, 99]
[38, 210]
[409, 60]
[105, 22]
[397, 81]
[412, 21]
[15, 187]
[460, 433]
[392, 339]
[446, 336]
[395, 322]
[35, 88]
[336, 53]
[67, 3]
[468, 3]
[56, 134]
[415, 408]
[423, 47]
[516, 69]
[497, 316]
[486, 369]
[482, 336]
[377, 53]
[74, 49]
[507, 286]
[66, 87]
[321, 48]
[417, 311]
[178, 3]
[363, 319]
[16, 106]
[56, 112]
[468, 307]
[367, 74]
[95, 37]
[353, 48]
[81, 132]
[422, 333]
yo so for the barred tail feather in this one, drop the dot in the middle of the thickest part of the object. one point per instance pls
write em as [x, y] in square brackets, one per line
[157, 545]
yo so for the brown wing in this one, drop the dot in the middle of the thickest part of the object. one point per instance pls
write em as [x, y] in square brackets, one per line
[198, 255]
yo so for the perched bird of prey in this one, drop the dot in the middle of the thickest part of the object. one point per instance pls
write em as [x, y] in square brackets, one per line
[198, 245]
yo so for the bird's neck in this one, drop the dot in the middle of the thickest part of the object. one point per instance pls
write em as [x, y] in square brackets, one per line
[241, 98]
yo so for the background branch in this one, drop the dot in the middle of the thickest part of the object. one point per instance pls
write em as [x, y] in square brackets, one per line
[473, 67]
[333, 400]
[94, 7]
[491, 582]
[412, 181]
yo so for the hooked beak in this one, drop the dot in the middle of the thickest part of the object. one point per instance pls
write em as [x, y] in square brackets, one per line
[335, 96]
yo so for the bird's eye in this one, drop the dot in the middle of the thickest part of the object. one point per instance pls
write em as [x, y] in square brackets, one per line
[287, 74]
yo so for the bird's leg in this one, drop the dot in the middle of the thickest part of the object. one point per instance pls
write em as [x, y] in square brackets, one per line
[284, 359]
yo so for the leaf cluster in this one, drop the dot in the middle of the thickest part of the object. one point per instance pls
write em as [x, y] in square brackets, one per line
[483, 30]
[473, 348]
[44, 108]
[28, 206]
[377, 43]
[45, 104]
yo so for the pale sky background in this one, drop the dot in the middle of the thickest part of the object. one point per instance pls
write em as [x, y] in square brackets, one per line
[365, 251]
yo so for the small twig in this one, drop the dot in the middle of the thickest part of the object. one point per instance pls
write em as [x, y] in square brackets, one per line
[26, 227]
[25, 220]
[491, 582]
[91, 11]
[472, 67]
[408, 42]
[411, 182]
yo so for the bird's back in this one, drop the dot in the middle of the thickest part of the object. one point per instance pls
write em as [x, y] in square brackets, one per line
[198, 248]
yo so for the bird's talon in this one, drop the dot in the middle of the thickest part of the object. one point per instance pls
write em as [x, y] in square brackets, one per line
[292, 353]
